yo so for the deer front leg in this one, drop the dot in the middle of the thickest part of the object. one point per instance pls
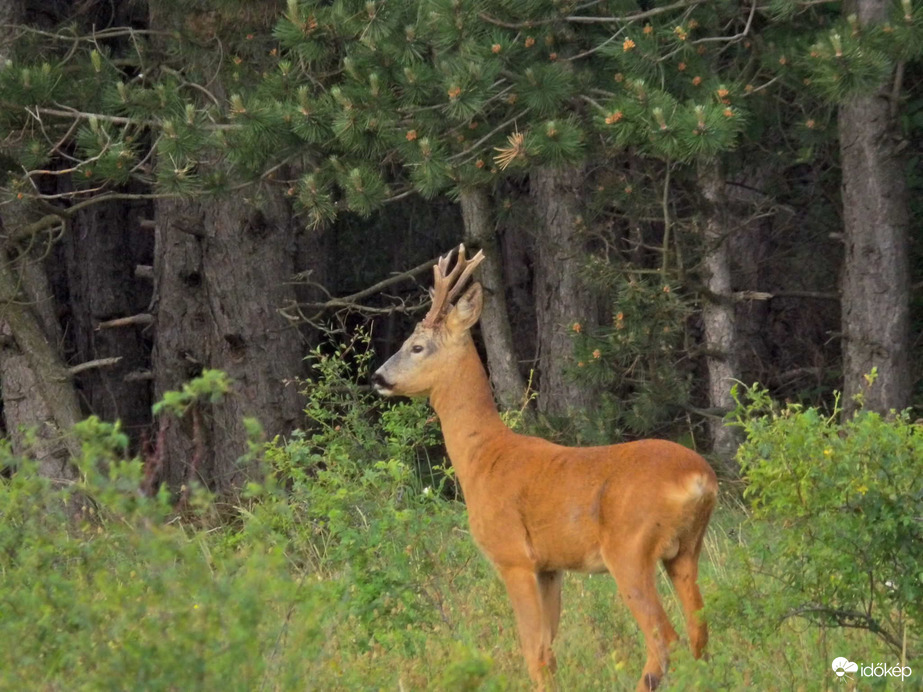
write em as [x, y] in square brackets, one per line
[549, 584]
[522, 585]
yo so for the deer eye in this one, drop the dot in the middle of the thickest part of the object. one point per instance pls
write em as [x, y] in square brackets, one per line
[416, 348]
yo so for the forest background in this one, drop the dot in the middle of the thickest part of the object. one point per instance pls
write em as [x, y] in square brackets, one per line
[672, 198]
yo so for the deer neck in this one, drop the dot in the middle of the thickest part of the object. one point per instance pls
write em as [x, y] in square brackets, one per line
[467, 413]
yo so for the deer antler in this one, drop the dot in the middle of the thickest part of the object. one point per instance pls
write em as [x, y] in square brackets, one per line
[447, 286]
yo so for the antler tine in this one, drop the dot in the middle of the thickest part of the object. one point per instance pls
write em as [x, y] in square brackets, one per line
[449, 278]
[440, 267]
[470, 266]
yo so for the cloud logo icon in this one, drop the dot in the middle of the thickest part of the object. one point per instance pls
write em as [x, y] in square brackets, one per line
[841, 666]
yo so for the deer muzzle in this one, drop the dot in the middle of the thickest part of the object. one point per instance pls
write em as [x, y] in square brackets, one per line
[380, 384]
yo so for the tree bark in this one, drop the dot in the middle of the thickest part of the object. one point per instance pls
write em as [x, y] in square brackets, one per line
[508, 384]
[30, 424]
[561, 298]
[220, 269]
[876, 283]
[11, 13]
[516, 253]
[718, 313]
[102, 251]
[37, 389]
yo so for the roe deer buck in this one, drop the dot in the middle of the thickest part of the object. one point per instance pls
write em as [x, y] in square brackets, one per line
[536, 508]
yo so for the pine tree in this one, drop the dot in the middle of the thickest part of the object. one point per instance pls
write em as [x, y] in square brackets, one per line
[348, 107]
[369, 101]
[466, 94]
[858, 64]
[116, 114]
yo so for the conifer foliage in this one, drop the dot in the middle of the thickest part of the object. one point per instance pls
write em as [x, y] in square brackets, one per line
[351, 105]
[373, 99]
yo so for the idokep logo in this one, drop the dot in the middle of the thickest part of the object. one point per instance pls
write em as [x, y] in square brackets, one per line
[842, 666]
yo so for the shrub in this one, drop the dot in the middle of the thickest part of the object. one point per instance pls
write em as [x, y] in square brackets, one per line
[836, 535]
[354, 506]
[99, 593]
[334, 565]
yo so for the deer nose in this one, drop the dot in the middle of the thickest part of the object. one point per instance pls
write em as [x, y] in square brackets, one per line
[379, 382]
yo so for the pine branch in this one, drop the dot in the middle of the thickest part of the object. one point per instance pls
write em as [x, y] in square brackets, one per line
[741, 296]
[469, 151]
[119, 119]
[591, 20]
[712, 413]
[385, 283]
[58, 216]
[192, 85]
[93, 37]
[595, 49]
[74, 113]
[139, 376]
[353, 301]
[399, 196]
[736, 37]
[336, 304]
[43, 224]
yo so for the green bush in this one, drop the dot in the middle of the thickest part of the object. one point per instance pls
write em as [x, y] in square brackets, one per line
[334, 566]
[99, 593]
[373, 522]
[836, 535]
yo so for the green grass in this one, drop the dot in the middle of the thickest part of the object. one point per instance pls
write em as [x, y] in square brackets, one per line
[278, 602]
[342, 571]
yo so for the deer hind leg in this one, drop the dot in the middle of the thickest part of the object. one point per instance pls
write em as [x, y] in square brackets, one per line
[526, 594]
[683, 571]
[549, 584]
[635, 578]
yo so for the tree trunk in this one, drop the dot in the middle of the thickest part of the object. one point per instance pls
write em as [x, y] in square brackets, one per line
[11, 14]
[875, 285]
[37, 388]
[718, 311]
[561, 298]
[24, 410]
[749, 253]
[102, 252]
[516, 252]
[508, 384]
[221, 268]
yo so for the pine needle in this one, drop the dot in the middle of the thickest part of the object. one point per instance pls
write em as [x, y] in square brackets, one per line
[516, 150]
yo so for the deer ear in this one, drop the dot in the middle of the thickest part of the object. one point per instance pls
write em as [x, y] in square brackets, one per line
[467, 309]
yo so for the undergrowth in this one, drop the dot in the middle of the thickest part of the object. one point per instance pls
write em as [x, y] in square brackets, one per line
[349, 567]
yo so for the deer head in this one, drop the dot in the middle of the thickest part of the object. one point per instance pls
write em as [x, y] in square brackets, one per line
[434, 346]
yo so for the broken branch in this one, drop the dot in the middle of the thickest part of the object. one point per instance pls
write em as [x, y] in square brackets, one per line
[92, 364]
[143, 318]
